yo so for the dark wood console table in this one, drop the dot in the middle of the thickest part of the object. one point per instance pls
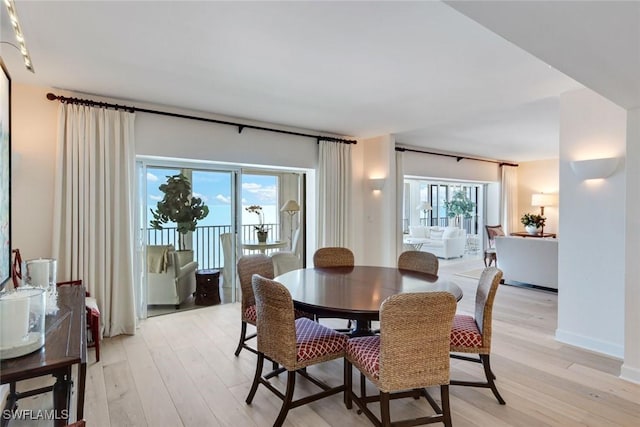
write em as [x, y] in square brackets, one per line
[538, 235]
[65, 345]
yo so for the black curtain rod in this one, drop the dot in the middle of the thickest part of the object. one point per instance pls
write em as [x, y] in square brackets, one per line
[458, 158]
[240, 126]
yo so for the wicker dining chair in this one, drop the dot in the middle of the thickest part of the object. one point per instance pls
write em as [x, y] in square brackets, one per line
[248, 265]
[292, 343]
[410, 354]
[333, 257]
[473, 334]
[424, 262]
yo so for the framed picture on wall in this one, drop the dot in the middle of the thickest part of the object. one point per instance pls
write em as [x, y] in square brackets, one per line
[5, 176]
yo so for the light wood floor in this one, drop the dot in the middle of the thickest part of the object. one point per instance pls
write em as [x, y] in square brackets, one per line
[179, 370]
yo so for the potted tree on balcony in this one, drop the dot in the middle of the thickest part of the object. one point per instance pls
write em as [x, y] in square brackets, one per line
[459, 207]
[180, 207]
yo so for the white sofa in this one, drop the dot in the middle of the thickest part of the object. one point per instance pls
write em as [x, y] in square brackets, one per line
[442, 242]
[168, 282]
[528, 260]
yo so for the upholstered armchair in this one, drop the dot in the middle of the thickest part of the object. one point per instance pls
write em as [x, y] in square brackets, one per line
[169, 281]
[285, 261]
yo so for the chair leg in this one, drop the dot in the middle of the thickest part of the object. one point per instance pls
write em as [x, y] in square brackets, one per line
[288, 398]
[256, 378]
[385, 415]
[348, 383]
[490, 377]
[243, 333]
[95, 331]
[446, 408]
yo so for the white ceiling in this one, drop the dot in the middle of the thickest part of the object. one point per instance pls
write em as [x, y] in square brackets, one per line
[420, 70]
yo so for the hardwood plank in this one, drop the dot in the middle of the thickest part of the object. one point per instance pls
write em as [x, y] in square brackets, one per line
[157, 404]
[96, 408]
[186, 398]
[125, 408]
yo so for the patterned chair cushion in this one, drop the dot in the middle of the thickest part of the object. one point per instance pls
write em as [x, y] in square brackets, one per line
[251, 315]
[314, 340]
[465, 332]
[365, 351]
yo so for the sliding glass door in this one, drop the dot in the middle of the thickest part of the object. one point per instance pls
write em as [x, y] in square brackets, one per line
[230, 227]
[212, 242]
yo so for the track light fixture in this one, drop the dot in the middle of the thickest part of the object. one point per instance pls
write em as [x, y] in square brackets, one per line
[22, 46]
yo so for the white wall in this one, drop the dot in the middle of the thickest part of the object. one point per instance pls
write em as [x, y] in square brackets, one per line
[188, 139]
[33, 146]
[592, 249]
[377, 224]
[631, 367]
[540, 176]
[429, 166]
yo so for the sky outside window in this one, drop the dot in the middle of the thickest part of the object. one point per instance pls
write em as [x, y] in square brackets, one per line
[214, 188]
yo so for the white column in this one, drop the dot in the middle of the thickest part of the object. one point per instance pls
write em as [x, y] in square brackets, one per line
[631, 367]
[591, 261]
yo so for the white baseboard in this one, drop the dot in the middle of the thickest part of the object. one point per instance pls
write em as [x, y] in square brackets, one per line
[588, 343]
[630, 374]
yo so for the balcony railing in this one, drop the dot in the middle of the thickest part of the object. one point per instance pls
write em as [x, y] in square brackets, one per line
[206, 244]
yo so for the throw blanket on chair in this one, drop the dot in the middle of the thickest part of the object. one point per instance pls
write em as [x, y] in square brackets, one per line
[157, 258]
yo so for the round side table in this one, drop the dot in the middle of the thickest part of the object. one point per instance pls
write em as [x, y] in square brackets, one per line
[207, 287]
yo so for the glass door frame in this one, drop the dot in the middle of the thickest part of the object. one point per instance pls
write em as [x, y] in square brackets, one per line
[143, 164]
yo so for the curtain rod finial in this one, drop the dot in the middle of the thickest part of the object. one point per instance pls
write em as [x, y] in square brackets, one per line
[51, 97]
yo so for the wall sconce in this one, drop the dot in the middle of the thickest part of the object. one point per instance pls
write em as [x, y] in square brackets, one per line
[377, 184]
[540, 200]
[594, 168]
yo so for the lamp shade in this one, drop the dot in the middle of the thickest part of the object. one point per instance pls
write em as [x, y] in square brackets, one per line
[290, 206]
[424, 206]
[594, 168]
[541, 199]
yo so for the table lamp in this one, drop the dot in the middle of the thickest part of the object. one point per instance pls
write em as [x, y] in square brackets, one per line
[541, 200]
[291, 207]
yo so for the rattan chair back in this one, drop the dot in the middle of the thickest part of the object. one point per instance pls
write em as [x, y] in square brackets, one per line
[276, 321]
[248, 265]
[485, 295]
[333, 257]
[414, 340]
[424, 262]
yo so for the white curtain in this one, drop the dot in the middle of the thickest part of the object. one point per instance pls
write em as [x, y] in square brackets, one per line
[334, 194]
[399, 201]
[93, 213]
[509, 199]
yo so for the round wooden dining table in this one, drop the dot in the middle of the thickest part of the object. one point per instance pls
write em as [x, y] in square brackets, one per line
[356, 293]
